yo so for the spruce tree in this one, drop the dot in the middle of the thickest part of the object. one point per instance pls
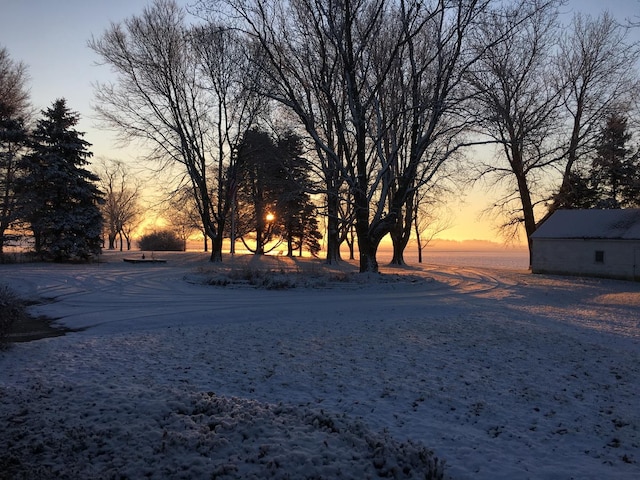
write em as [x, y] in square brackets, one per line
[295, 208]
[260, 173]
[60, 197]
[614, 171]
[613, 178]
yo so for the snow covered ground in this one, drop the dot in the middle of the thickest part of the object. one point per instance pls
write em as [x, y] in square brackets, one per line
[502, 374]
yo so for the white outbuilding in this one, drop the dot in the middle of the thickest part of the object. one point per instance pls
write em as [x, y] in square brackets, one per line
[600, 243]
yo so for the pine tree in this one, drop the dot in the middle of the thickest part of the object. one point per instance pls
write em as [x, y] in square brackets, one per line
[273, 198]
[60, 199]
[613, 178]
[261, 174]
[614, 171]
[295, 208]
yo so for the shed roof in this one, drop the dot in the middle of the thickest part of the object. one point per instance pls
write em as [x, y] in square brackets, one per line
[610, 224]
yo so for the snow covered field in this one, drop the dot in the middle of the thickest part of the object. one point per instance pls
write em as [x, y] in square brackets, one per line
[503, 375]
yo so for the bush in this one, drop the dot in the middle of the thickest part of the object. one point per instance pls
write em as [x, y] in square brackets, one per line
[164, 240]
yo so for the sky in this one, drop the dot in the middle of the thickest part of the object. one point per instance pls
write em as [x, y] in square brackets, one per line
[51, 36]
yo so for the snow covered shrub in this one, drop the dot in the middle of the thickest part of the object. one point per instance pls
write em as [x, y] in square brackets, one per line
[269, 279]
[277, 281]
[163, 240]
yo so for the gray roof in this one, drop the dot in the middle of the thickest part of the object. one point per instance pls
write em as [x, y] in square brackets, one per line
[614, 224]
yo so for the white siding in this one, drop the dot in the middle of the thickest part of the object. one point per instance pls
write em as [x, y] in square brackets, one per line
[578, 257]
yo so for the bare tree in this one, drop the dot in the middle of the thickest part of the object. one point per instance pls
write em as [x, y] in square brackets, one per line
[182, 214]
[231, 79]
[14, 112]
[122, 210]
[300, 68]
[597, 71]
[327, 63]
[418, 121]
[14, 95]
[519, 104]
[166, 73]
[427, 223]
[543, 96]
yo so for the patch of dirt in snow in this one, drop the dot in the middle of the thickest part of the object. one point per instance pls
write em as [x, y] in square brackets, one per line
[198, 435]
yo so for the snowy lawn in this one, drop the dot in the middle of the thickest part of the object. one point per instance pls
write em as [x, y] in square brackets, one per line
[187, 370]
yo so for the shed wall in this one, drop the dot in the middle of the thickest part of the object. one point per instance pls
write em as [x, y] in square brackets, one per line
[578, 257]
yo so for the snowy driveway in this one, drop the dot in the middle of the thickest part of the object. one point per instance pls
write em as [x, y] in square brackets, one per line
[503, 374]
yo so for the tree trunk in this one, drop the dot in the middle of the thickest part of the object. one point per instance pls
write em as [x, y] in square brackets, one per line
[333, 233]
[217, 239]
[418, 241]
[112, 240]
[366, 246]
[399, 245]
[368, 262]
[527, 210]
[290, 245]
[401, 232]
[216, 249]
[259, 239]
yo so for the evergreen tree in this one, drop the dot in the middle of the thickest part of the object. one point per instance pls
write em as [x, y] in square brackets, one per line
[273, 193]
[580, 192]
[615, 173]
[261, 175]
[613, 179]
[296, 211]
[60, 198]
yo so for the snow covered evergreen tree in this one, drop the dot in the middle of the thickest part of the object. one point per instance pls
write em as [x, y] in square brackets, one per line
[60, 197]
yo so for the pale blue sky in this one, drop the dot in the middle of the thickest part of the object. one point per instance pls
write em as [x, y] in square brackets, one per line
[51, 36]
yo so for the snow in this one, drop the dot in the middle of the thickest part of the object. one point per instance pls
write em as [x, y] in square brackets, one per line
[500, 373]
[614, 223]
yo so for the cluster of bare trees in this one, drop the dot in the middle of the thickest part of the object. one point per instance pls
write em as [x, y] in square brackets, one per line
[122, 210]
[388, 93]
[185, 90]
